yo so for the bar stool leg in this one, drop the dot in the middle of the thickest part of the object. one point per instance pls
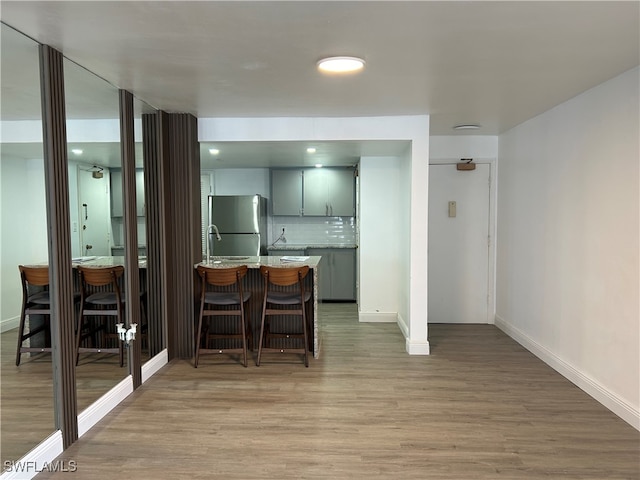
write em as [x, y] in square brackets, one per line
[198, 338]
[20, 336]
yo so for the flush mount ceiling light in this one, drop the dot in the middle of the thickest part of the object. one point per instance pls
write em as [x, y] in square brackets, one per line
[318, 165]
[76, 151]
[214, 151]
[311, 150]
[340, 64]
[467, 126]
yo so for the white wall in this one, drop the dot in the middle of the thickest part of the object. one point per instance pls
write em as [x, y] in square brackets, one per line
[382, 234]
[23, 235]
[455, 147]
[411, 128]
[567, 246]
[405, 260]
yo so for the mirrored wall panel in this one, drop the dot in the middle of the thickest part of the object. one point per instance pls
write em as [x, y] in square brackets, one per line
[96, 210]
[152, 331]
[27, 412]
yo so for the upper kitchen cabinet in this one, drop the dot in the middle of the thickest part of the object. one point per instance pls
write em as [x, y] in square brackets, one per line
[286, 192]
[325, 192]
[116, 193]
[329, 192]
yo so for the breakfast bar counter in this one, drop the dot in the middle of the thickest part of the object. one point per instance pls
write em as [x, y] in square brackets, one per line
[255, 284]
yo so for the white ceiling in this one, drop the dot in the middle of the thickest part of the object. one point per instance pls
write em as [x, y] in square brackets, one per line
[492, 63]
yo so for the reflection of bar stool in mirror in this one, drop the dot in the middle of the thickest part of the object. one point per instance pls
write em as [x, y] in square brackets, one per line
[101, 298]
[284, 295]
[222, 295]
[35, 301]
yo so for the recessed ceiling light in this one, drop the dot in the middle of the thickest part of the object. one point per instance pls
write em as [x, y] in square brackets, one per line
[214, 151]
[318, 165]
[76, 151]
[311, 150]
[340, 64]
[467, 126]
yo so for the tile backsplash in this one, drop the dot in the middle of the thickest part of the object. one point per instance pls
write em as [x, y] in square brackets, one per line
[313, 230]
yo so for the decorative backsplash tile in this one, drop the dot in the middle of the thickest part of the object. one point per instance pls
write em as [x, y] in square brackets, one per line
[313, 230]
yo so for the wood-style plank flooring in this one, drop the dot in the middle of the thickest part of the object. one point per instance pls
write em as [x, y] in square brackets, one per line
[479, 407]
[26, 393]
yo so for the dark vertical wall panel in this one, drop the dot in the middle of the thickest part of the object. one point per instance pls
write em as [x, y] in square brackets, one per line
[60, 272]
[156, 242]
[132, 274]
[183, 207]
[172, 189]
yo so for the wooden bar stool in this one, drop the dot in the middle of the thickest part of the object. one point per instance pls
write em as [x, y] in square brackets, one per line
[284, 295]
[221, 287]
[35, 301]
[100, 297]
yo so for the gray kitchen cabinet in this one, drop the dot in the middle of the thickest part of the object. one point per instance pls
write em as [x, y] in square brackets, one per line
[329, 192]
[117, 203]
[286, 192]
[337, 273]
[286, 253]
[324, 192]
[118, 251]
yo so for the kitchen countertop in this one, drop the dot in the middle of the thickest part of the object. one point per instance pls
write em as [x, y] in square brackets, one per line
[304, 246]
[106, 261]
[257, 262]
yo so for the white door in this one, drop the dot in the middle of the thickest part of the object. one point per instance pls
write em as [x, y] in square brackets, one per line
[93, 199]
[458, 244]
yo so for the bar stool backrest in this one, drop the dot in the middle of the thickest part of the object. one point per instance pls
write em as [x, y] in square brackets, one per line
[37, 276]
[222, 277]
[284, 276]
[101, 276]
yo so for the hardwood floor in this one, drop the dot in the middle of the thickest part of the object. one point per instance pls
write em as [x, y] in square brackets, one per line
[479, 407]
[26, 393]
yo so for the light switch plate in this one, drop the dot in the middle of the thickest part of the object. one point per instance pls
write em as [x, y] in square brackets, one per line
[452, 209]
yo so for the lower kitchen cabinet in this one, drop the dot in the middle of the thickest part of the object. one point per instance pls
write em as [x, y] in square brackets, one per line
[337, 273]
[286, 253]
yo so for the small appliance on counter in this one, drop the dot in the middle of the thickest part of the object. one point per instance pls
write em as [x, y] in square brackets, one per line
[237, 225]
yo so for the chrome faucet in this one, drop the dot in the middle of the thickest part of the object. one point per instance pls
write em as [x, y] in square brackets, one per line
[218, 237]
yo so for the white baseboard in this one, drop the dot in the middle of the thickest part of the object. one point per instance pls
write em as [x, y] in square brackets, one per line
[412, 347]
[582, 381]
[9, 324]
[98, 409]
[40, 458]
[417, 348]
[403, 326]
[150, 367]
[377, 317]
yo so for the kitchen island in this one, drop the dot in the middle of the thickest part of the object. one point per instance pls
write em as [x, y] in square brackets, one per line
[255, 284]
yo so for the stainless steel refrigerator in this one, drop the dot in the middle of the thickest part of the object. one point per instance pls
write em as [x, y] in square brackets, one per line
[241, 222]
